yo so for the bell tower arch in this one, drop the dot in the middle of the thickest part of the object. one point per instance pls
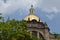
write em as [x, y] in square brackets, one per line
[35, 26]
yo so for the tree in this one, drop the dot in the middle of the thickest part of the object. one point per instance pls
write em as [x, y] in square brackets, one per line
[15, 30]
[0, 16]
[56, 35]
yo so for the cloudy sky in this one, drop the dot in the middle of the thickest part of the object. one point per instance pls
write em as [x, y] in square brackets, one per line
[47, 10]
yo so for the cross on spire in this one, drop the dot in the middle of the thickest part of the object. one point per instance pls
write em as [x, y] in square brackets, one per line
[31, 10]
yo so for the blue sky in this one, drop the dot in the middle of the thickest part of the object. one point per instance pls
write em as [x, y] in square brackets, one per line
[47, 10]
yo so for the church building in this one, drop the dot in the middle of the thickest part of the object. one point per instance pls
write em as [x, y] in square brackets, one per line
[37, 28]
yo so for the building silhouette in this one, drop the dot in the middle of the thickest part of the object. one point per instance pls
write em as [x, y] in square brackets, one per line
[37, 28]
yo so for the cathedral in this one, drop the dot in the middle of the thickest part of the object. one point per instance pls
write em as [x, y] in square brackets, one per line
[38, 28]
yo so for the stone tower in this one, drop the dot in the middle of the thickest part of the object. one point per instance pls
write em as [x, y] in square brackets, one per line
[37, 28]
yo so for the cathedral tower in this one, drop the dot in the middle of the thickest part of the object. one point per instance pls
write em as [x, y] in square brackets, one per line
[37, 28]
[31, 15]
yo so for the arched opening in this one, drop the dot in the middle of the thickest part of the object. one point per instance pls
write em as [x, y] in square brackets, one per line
[41, 36]
[34, 33]
[34, 20]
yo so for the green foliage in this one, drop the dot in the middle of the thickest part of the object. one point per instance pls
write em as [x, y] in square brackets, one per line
[15, 30]
[56, 35]
[0, 17]
[58, 38]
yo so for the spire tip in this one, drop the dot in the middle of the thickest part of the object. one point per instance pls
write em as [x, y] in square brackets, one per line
[31, 5]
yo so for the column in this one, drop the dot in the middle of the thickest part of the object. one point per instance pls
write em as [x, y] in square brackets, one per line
[37, 34]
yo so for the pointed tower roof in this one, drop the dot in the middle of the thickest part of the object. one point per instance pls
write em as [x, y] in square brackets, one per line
[31, 15]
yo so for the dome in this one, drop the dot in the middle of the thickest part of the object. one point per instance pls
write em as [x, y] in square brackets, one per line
[31, 17]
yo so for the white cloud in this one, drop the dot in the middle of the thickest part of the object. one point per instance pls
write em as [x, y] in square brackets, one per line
[12, 5]
[51, 7]
[55, 10]
[50, 10]
[48, 6]
[51, 16]
[4, 6]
